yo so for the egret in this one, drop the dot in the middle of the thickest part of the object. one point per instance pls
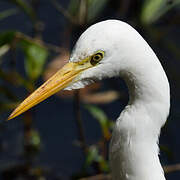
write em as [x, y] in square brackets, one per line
[108, 49]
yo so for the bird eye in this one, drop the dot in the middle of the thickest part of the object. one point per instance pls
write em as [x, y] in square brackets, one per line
[96, 58]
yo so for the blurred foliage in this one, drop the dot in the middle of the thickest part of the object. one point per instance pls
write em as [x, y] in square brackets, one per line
[145, 15]
[154, 9]
[35, 58]
[8, 13]
[89, 9]
[7, 37]
[97, 154]
[94, 156]
[102, 119]
[4, 49]
[25, 6]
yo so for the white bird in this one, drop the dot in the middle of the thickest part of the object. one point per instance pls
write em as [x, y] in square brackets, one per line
[109, 49]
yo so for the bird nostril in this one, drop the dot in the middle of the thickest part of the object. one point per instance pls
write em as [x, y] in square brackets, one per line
[66, 72]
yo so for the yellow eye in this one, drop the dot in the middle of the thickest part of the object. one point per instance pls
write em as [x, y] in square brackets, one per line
[96, 57]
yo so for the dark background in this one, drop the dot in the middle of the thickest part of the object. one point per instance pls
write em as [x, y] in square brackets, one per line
[57, 156]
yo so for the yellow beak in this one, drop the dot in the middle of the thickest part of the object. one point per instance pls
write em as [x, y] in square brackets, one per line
[59, 81]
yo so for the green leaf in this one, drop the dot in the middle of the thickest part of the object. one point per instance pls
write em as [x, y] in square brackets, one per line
[8, 13]
[35, 138]
[94, 155]
[154, 9]
[35, 53]
[7, 37]
[32, 143]
[4, 49]
[14, 78]
[73, 7]
[35, 58]
[103, 120]
[98, 114]
[94, 8]
[26, 7]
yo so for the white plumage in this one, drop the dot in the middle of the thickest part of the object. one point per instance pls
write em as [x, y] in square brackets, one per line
[134, 144]
[124, 53]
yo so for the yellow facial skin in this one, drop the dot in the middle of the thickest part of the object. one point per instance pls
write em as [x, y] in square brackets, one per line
[58, 81]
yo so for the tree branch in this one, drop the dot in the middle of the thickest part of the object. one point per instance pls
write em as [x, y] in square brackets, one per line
[79, 122]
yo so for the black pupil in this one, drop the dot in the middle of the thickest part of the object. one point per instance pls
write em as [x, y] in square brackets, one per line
[96, 58]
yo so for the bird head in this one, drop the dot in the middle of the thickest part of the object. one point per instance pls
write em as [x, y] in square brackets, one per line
[100, 52]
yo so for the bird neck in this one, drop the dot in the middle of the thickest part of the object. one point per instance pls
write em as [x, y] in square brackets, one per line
[148, 89]
[134, 146]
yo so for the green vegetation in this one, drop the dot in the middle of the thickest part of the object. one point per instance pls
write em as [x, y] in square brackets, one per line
[152, 17]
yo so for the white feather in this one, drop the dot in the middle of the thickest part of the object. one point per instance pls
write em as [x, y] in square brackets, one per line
[134, 145]
[79, 84]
